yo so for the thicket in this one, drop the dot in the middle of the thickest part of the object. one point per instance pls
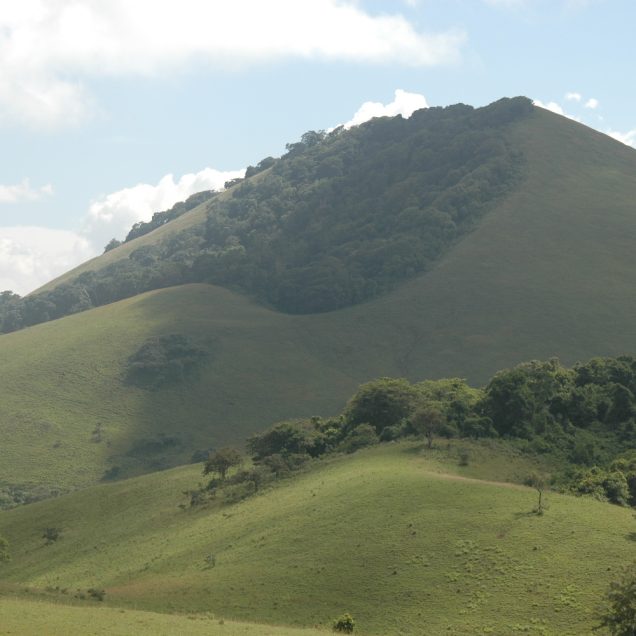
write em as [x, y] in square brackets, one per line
[340, 218]
[585, 415]
[164, 359]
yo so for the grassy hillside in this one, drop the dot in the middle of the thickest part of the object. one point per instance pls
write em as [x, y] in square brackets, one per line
[549, 272]
[403, 538]
[28, 617]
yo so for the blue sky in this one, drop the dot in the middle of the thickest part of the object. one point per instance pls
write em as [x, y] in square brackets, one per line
[110, 111]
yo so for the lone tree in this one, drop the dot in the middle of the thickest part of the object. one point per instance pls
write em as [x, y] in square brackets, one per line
[427, 421]
[619, 615]
[221, 461]
[538, 482]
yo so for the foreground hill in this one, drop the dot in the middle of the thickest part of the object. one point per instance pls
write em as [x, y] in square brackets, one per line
[29, 617]
[403, 538]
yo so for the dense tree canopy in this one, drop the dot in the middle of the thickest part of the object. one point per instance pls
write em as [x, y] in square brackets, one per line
[538, 404]
[340, 218]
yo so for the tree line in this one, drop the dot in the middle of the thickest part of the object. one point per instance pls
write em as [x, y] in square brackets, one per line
[585, 415]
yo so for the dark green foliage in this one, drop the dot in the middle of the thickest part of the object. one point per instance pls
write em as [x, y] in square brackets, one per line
[4, 550]
[536, 401]
[615, 483]
[381, 403]
[342, 217]
[619, 614]
[51, 535]
[221, 461]
[111, 245]
[164, 359]
[428, 420]
[12, 495]
[344, 624]
[268, 162]
[312, 436]
[361, 436]
[346, 215]
[161, 218]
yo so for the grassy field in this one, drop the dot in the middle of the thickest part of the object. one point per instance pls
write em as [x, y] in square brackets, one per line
[27, 617]
[549, 272]
[405, 539]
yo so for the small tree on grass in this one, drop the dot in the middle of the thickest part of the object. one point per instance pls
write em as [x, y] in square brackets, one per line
[51, 535]
[428, 421]
[344, 624]
[221, 461]
[538, 482]
[619, 614]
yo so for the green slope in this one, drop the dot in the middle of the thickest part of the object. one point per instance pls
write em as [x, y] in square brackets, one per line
[28, 617]
[403, 538]
[549, 272]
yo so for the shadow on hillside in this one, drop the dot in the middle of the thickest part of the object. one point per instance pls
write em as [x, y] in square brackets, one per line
[522, 515]
[631, 536]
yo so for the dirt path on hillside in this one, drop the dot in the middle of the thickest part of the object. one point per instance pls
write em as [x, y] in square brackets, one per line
[473, 480]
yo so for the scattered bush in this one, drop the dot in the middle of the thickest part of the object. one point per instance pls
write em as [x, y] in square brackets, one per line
[361, 436]
[344, 624]
[51, 535]
[164, 359]
[96, 594]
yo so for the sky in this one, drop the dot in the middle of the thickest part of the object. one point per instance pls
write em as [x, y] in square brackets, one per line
[111, 110]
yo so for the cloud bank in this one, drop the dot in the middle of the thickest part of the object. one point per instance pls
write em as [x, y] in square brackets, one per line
[628, 138]
[31, 256]
[23, 192]
[113, 215]
[403, 103]
[48, 48]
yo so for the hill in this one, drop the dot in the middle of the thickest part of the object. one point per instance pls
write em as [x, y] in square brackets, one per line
[402, 537]
[548, 271]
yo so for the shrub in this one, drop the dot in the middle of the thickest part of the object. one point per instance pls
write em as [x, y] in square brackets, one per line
[96, 594]
[619, 614]
[344, 624]
[51, 535]
[361, 436]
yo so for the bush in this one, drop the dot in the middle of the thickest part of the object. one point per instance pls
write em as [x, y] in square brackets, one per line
[361, 436]
[96, 594]
[344, 624]
[619, 614]
[51, 535]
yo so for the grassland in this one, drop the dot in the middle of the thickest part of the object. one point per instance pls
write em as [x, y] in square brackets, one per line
[403, 538]
[28, 617]
[549, 272]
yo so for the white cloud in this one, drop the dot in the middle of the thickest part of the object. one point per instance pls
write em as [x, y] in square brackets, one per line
[47, 48]
[113, 215]
[573, 97]
[403, 103]
[555, 108]
[591, 103]
[628, 138]
[23, 192]
[30, 256]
